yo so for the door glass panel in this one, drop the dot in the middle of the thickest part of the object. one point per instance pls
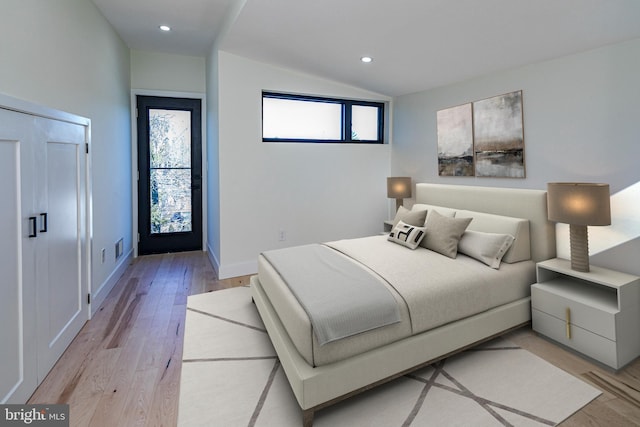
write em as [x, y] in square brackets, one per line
[170, 170]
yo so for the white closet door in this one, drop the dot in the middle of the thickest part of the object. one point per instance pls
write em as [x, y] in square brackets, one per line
[18, 371]
[62, 291]
[43, 264]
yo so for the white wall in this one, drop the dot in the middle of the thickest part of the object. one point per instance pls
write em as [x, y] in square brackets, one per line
[167, 72]
[213, 161]
[581, 116]
[615, 246]
[312, 192]
[169, 75]
[621, 258]
[63, 54]
[580, 120]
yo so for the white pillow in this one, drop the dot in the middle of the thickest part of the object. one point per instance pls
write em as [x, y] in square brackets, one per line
[444, 211]
[520, 250]
[488, 248]
[406, 235]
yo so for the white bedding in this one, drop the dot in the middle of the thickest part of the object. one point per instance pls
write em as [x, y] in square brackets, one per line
[431, 290]
[438, 289]
[341, 298]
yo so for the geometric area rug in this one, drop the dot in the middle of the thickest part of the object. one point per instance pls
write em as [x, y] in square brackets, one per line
[231, 377]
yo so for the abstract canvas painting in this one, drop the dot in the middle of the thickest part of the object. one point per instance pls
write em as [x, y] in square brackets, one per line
[498, 136]
[455, 141]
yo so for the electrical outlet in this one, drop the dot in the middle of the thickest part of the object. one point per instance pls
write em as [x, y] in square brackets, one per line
[282, 235]
[103, 255]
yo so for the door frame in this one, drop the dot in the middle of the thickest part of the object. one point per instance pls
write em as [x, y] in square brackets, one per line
[134, 156]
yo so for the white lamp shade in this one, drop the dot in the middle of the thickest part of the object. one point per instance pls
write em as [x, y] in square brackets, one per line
[398, 187]
[579, 203]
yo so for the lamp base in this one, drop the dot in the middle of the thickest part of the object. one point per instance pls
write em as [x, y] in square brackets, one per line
[579, 247]
[398, 204]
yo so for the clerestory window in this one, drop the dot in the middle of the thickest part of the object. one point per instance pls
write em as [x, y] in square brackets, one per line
[302, 118]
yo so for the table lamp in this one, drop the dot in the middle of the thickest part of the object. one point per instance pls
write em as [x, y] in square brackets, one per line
[579, 205]
[398, 188]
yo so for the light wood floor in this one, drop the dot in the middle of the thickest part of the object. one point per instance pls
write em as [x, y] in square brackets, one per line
[123, 369]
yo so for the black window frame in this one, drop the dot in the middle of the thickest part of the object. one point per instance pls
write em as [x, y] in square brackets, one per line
[346, 104]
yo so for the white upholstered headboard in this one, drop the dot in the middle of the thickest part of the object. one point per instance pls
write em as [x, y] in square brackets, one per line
[519, 203]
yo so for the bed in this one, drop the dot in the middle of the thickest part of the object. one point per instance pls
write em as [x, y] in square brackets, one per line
[481, 300]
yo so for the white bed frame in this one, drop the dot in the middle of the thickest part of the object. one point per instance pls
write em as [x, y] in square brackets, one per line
[318, 387]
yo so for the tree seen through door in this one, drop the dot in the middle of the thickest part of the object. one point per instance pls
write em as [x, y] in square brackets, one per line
[170, 170]
[169, 174]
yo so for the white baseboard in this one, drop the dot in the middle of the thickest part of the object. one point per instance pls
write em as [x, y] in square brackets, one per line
[238, 269]
[98, 297]
[226, 271]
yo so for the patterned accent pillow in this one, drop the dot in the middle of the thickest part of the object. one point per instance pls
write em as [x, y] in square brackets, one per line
[406, 235]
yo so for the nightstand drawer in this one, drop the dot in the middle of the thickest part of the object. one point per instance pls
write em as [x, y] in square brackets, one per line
[596, 346]
[584, 313]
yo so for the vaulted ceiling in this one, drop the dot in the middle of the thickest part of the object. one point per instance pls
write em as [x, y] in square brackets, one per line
[415, 44]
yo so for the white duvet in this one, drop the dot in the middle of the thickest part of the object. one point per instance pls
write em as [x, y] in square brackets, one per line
[432, 290]
[438, 289]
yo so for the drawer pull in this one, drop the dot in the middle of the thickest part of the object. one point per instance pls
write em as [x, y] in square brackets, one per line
[568, 322]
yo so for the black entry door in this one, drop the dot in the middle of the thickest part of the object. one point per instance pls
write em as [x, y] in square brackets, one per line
[170, 174]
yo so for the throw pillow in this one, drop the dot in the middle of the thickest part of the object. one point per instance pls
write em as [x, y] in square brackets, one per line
[444, 233]
[406, 235]
[488, 248]
[410, 217]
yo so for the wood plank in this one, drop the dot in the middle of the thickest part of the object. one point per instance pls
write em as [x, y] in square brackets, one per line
[138, 401]
[91, 385]
[164, 406]
[114, 398]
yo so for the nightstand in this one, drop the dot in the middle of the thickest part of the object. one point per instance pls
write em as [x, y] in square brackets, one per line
[595, 313]
[388, 226]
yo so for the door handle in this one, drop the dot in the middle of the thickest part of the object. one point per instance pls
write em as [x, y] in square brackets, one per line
[33, 227]
[43, 217]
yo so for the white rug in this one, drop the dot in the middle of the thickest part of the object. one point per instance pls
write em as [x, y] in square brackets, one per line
[231, 377]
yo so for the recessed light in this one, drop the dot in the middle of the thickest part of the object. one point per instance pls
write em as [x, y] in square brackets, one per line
[366, 59]
[165, 27]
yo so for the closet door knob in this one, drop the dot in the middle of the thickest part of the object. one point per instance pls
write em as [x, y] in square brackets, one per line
[33, 227]
[43, 226]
